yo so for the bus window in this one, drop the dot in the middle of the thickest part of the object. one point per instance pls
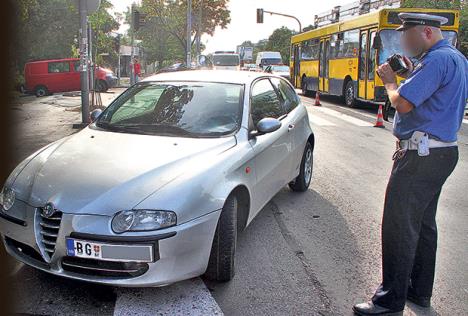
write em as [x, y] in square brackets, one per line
[345, 45]
[391, 43]
[371, 59]
[362, 56]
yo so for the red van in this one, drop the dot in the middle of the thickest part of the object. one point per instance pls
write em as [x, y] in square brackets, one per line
[60, 75]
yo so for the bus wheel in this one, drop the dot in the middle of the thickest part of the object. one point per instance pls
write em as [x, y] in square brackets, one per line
[386, 110]
[349, 94]
[305, 92]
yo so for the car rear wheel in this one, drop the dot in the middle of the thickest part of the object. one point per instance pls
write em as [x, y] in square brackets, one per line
[101, 86]
[41, 91]
[221, 262]
[302, 181]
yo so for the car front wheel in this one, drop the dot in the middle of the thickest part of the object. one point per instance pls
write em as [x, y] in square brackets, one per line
[302, 181]
[221, 262]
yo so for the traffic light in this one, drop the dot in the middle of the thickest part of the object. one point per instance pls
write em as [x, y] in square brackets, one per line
[138, 20]
[259, 15]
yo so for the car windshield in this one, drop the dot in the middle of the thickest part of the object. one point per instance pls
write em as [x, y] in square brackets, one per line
[280, 68]
[182, 109]
[271, 61]
[226, 60]
[391, 43]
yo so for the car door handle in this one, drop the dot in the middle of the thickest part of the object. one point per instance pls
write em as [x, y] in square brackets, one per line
[291, 127]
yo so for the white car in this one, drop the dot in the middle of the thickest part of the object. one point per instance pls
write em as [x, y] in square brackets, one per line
[155, 190]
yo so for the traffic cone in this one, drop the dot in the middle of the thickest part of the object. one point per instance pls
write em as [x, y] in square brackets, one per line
[317, 99]
[379, 122]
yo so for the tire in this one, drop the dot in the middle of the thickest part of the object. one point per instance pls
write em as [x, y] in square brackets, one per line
[386, 110]
[349, 94]
[302, 181]
[41, 91]
[221, 262]
[305, 92]
[101, 86]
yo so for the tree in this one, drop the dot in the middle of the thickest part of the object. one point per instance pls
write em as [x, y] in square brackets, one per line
[461, 5]
[170, 16]
[280, 41]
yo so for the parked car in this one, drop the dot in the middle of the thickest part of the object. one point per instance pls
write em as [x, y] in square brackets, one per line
[156, 189]
[279, 70]
[173, 67]
[268, 58]
[60, 75]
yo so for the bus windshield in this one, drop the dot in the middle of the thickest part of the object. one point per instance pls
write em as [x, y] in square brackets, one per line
[226, 60]
[391, 43]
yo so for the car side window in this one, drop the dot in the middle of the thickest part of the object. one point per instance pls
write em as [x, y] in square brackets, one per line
[55, 67]
[288, 96]
[76, 65]
[264, 101]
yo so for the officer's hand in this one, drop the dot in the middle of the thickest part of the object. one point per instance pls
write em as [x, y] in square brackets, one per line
[409, 65]
[386, 73]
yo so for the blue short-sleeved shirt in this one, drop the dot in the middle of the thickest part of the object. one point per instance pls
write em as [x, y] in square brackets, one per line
[438, 89]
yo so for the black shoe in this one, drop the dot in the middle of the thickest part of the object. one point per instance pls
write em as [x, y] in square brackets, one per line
[418, 300]
[370, 308]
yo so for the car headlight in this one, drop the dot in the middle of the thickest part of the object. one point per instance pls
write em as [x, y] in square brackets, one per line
[142, 220]
[7, 198]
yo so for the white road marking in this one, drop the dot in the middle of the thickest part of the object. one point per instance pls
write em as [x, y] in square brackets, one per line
[465, 121]
[316, 120]
[344, 117]
[189, 297]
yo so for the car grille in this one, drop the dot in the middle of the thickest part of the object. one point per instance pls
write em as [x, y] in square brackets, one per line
[25, 251]
[103, 268]
[49, 229]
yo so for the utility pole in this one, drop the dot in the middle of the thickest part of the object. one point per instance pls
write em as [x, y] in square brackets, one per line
[84, 76]
[189, 33]
[132, 43]
[199, 29]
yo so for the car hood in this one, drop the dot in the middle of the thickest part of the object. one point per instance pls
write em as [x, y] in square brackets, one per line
[99, 172]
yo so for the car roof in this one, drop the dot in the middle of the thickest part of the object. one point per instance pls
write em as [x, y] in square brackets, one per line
[51, 60]
[225, 76]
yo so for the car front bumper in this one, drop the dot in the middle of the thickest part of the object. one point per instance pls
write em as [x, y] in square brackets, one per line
[180, 252]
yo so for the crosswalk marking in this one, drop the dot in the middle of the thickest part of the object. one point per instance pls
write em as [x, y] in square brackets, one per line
[314, 119]
[344, 117]
[190, 297]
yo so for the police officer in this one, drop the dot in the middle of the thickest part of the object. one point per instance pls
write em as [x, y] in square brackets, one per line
[430, 106]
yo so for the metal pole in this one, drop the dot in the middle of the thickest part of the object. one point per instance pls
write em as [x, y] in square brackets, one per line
[132, 75]
[286, 15]
[84, 63]
[199, 30]
[189, 33]
[90, 57]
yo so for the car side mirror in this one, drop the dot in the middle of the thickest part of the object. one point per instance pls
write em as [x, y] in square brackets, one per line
[95, 114]
[266, 125]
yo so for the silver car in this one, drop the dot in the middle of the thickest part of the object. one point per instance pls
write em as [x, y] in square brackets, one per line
[155, 190]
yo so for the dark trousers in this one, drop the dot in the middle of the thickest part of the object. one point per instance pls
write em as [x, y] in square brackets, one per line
[409, 230]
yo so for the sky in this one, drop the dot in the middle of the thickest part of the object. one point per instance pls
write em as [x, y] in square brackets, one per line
[243, 24]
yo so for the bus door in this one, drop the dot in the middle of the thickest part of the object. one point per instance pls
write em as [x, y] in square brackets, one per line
[367, 64]
[324, 56]
[296, 66]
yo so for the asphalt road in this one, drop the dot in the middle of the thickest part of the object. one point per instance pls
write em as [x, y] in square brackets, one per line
[314, 253]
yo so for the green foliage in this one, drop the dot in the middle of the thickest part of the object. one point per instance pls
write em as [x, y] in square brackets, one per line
[164, 35]
[461, 5]
[279, 41]
[49, 29]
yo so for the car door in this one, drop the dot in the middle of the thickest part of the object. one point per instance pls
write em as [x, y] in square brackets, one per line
[58, 75]
[75, 82]
[272, 151]
[297, 121]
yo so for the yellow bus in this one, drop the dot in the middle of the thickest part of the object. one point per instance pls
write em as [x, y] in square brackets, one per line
[341, 58]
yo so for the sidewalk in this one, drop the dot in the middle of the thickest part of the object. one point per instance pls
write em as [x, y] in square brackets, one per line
[40, 121]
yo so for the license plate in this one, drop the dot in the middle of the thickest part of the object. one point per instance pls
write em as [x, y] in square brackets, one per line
[109, 252]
